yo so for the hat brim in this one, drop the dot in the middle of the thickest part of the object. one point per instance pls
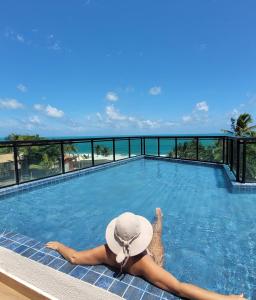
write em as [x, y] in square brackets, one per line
[138, 245]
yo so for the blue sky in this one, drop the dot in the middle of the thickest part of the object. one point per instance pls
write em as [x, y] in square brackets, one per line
[97, 67]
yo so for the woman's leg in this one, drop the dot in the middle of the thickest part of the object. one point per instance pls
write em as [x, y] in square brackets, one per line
[156, 246]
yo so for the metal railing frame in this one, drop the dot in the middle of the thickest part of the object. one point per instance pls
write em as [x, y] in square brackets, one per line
[227, 151]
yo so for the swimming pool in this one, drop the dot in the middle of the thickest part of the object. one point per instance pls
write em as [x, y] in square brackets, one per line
[209, 234]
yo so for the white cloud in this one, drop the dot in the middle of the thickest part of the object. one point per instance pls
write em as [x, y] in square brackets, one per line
[114, 114]
[112, 96]
[198, 115]
[34, 120]
[54, 112]
[202, 106]
[15, 36]
[22, 88]
[155, 90]
[99, 116]
[187, 119]
[20, 38]
[39, 107]
[10, 103]
[49, 110]
[55, 46]
[48, 42]
[118, 120]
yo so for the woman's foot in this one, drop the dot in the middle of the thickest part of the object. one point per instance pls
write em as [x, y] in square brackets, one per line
[159, 213]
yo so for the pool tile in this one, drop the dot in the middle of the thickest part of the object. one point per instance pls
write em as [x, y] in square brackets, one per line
[46, 250]
[20, 238]
[55, 253]
[2, 239]
[154, 290]
[148, 296]
[132, 293]
[168, 296]
[29, 252]
[31, 243]
[38, 246]
[57, 263]
[12, 246]
[99, 268]
[91, 277]
[67, 267]
[21, 249]
[10, 234]
[6, 242]
[126, 278]
[37, 256]
[139, 282]
[46, 259]
[104, 282]
[110, 272]
[118, 287]
[79, 272]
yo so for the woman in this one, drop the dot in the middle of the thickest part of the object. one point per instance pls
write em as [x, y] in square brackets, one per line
[134, 246]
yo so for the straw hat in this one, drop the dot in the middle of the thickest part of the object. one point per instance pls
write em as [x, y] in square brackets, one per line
[128, 235]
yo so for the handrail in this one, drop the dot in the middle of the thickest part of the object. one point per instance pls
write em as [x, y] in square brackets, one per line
[74, 140]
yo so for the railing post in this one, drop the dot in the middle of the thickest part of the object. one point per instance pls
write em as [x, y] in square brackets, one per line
[238, 161]
[158, 146]
[197, 148]
[144, 146]
[231, 155]
[141, 149]
[129, 147]
[62, 158]
[223, 150]
[244, 163]
[176, 148]
[92, 152]
[16, 165]
[114, 149]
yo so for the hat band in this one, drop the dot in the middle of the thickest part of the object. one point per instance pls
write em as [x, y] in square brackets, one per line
[125, 247]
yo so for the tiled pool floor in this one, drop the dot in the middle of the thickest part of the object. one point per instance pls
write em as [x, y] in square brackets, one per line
[126, 286]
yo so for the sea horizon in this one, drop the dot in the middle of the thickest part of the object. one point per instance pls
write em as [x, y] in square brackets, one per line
[121, 135]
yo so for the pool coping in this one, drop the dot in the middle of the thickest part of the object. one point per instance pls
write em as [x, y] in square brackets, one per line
[60, 285]
[125, 286]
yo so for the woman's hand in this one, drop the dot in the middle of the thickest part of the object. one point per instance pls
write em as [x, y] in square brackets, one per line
[53, 245]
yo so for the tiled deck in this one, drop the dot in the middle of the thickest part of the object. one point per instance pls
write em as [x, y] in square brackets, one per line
[126, 286]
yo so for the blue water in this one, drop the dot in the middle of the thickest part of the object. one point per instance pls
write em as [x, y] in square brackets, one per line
[209, 234]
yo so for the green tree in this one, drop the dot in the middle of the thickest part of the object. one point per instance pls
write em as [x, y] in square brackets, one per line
[241, 126]
[98, 149]
[41, 160]
[105, 151]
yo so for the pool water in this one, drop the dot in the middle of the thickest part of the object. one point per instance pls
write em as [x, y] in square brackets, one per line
[209, 234]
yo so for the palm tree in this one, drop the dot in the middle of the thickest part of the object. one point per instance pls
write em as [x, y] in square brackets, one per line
[105, 151]
[98, 150]
[240, 126]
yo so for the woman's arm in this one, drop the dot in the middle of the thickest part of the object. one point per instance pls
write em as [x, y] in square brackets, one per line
[87, 257]
[163, 279]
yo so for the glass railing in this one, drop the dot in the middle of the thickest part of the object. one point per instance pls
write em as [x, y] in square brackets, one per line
[250, 167]
[23, 161]
[7, 166]
[77, 156]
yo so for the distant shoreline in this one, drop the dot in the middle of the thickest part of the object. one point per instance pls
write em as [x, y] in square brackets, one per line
[127, 135]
